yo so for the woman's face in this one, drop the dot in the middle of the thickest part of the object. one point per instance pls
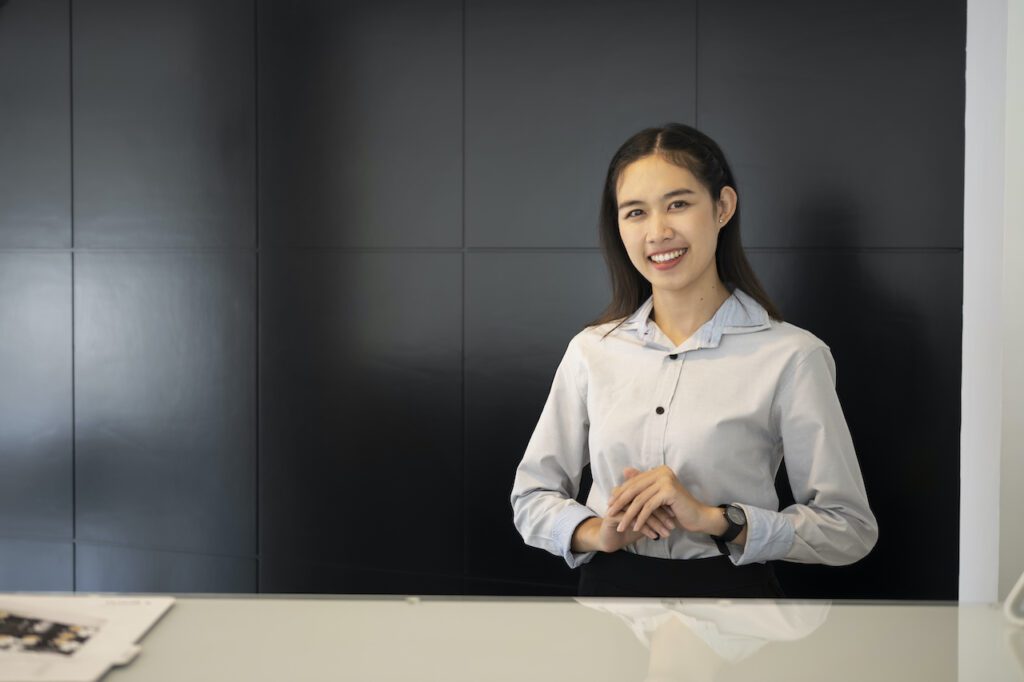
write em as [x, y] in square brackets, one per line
[662, 209]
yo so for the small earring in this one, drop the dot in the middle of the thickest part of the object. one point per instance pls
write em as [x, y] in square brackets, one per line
[719, 220]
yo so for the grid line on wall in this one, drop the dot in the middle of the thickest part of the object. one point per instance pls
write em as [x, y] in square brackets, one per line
[477, 249]
[462, 353]
[71, 224]
[256, 257]
[157, 548]
[696, 64]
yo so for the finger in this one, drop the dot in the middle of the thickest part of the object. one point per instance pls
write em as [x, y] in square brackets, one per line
[653, 502]
[628, 473]
[617, 493]
[629, 518]
[623, 501]
[658, 526]
[648, 530]
[615, 504]
[627, 491]
[664, 517]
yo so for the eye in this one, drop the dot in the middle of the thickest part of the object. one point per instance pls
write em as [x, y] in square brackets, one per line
[678, 202]
[630, 214]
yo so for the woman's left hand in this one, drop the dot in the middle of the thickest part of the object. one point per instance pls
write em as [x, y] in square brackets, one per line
[643, 492]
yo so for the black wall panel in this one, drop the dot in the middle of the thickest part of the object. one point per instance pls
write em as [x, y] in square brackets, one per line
[552, 88]
[103, 568]
[521, 311]
[838, 115]
[319, 260]
[361, 123]
[36, 566]
[35, 395]
[164, 123]
[165, 400]
[361, 410]
[35, 124]
[892, 320]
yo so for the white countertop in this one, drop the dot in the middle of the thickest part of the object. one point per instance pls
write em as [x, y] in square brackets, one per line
[455, 639]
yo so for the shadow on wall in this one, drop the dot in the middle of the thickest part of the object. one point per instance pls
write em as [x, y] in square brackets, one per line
[867, 306]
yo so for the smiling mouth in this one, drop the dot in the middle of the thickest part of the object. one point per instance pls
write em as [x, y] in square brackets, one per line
[667, 257]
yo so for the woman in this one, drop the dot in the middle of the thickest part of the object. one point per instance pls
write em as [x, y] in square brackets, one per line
[684, 397]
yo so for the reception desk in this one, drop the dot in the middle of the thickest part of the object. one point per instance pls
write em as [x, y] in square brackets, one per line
[469, 639]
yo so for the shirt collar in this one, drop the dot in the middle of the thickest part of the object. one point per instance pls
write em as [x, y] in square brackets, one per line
[739, 314]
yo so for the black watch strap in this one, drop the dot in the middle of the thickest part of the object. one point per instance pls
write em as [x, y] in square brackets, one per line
[722, 547]
[730, 533]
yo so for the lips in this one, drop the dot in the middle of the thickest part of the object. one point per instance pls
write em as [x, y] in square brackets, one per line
[667, 256]
[674, 257]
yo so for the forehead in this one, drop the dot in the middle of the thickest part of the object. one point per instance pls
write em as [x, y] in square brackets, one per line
[652, 176]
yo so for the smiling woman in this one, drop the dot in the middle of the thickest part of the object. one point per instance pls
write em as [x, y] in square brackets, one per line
[685, 396]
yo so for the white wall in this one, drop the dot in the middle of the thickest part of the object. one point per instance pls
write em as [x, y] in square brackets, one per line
[1011, 507]
[992, 438]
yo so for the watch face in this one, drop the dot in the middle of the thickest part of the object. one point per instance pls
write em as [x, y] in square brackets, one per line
[736, 515]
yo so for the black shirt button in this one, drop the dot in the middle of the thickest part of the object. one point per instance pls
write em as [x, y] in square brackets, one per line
[674, 356]
[660, 410]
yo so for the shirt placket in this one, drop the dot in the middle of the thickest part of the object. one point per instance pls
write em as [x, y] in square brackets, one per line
[660, 409]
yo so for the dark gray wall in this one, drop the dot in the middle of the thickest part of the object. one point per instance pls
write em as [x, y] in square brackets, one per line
[283, 285]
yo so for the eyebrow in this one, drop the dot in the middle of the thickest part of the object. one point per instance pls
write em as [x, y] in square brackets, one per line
[673, 193]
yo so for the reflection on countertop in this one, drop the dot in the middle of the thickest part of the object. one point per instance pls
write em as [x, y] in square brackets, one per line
[694, 641]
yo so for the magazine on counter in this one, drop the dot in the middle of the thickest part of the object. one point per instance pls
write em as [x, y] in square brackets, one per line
[51, 638]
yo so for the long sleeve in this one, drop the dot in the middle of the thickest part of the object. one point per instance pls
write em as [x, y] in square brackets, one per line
[548, 478]
[831, 522]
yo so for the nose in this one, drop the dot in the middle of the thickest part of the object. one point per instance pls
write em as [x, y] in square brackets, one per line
[660, 230]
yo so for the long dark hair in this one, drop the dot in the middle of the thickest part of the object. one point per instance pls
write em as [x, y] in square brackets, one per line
[688, 148]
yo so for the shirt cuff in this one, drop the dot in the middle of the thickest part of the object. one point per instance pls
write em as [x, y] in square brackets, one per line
[770, 536]
[561, 534]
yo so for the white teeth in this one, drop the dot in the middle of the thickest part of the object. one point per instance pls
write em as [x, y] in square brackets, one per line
[671, 255]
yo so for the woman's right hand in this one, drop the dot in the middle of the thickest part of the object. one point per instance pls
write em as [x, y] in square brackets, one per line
[601, 534]
[609, 539]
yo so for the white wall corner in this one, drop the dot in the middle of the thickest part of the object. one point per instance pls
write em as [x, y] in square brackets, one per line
[982, 386]
[1011, 498]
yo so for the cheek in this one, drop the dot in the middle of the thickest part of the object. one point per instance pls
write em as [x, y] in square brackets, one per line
[635, 252]
[627, 243]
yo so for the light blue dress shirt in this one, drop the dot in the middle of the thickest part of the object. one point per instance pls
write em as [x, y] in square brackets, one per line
[740, 394]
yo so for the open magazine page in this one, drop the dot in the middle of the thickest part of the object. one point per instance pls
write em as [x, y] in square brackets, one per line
[70, 638]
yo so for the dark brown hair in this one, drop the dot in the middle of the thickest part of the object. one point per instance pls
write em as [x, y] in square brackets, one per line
[691, 149]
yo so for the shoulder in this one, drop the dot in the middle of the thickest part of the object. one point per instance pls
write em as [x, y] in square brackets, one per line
[602, 345]
[586, 342]
[800, 352]
[782, 349]
[794, 340]
[601, 339]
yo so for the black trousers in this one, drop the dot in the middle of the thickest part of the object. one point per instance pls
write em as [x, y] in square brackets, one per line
[623, 574]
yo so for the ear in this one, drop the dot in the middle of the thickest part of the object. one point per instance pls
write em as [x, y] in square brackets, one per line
[727, 201]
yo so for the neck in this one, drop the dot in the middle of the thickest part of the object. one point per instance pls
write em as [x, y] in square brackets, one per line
[680, 313]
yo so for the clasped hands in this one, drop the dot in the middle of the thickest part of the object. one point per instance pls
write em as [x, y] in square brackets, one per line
[650, 503]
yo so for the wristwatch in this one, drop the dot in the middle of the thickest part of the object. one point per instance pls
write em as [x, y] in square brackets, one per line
[737, 521]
